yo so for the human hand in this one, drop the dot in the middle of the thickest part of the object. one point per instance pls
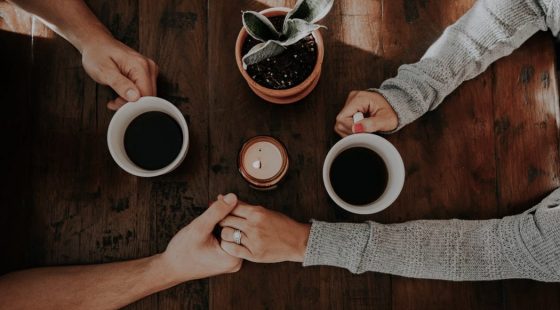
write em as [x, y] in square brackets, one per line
[194, 252]
[128, 73]
[379, 115]
[267, 236]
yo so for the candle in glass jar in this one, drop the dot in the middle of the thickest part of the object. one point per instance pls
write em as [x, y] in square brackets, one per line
[263, 162]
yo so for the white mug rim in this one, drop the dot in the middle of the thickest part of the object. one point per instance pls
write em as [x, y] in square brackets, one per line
[393, 162]
[130, 111]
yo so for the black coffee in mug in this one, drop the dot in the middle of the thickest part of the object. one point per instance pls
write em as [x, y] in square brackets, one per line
[153, 140]
[358, 176]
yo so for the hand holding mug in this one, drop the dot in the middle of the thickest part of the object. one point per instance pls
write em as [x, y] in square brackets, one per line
[130, 74]
[380, 116]
[266, 236]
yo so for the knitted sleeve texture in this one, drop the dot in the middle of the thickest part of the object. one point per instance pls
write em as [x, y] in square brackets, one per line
[521, 246]
[491, 29]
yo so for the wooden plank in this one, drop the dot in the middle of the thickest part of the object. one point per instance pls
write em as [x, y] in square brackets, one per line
[353, 61]
[86, 209]
[307, 130]
[15, 64]
[526, 127]
[173, 33]
[236, 114]
[445, 153]
[82, 200]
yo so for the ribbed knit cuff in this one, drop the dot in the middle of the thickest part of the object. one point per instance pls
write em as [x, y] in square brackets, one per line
[398, 101]
[336, 244]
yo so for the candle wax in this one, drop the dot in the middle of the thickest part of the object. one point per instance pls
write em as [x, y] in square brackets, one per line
[263, 160]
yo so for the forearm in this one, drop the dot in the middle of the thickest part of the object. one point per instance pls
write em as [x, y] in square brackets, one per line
[106, 286]
[490, 30]
[72, 19]
[521, 246]
[449, 250]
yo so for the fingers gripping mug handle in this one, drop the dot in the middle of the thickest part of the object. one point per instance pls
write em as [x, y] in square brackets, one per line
[358, 116]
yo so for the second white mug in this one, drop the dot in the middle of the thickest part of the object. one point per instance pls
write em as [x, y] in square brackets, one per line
[392, 160]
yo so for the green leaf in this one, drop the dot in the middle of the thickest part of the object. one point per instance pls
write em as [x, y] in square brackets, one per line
[259, 27]
[297, 29]
[261, 52]
[310, 10]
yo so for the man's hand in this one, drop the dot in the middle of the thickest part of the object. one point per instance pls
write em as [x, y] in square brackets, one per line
[131, 75]
[194, 252]
[266, 236]
[379, 115]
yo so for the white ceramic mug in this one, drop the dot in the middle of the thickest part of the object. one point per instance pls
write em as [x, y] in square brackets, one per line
[121, 120]
[393, 162]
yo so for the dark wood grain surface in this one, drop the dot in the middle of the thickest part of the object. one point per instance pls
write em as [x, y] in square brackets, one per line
[490, 150]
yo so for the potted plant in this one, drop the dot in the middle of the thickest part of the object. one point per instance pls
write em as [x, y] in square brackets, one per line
[280, 51]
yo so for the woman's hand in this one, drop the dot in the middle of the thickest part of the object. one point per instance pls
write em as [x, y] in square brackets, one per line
[128, 73]
[379, 115]
[266, 236]
[194, 252]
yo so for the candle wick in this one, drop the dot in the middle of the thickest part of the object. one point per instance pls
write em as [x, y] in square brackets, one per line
[257, 164]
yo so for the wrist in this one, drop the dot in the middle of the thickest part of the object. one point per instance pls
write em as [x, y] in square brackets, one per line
[302, 235]
[163, 273]
[100, 37]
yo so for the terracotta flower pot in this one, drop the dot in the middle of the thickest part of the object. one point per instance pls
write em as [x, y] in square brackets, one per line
[281, 96]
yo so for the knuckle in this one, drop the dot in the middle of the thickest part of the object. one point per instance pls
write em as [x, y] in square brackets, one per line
[111, 79]
[141, 62]
[144, 62]
[258, 215]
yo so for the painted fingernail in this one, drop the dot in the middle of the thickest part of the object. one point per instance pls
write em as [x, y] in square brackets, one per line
[358, 128]
[132, 94]
[229, 198]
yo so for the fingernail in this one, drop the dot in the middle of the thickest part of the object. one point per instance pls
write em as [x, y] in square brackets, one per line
[229, 198]
[132, 95]
[358, 128]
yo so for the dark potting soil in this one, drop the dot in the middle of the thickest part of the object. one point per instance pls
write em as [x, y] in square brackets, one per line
[288, 69]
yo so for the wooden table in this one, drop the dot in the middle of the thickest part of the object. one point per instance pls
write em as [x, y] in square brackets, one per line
[491, 150]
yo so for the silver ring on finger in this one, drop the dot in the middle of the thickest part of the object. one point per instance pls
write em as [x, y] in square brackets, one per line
[237, 236]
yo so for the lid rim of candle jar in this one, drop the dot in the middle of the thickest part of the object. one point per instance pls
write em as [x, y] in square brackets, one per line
[272, 180]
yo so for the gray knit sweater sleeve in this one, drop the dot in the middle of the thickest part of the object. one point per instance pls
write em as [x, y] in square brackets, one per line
[521, 246]
[490, 30]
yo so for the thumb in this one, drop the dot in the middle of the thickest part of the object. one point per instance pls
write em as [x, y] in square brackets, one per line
[216, 212]
[123, 86]
[370, 124]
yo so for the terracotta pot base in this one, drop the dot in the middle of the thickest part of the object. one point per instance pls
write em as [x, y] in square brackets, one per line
[290, 99]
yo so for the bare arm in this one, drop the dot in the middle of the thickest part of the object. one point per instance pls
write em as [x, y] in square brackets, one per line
[105, 59]
[71, 19]
[107, 286]
[193, 253]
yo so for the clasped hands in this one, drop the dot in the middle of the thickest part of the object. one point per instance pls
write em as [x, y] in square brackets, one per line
[267, 237]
